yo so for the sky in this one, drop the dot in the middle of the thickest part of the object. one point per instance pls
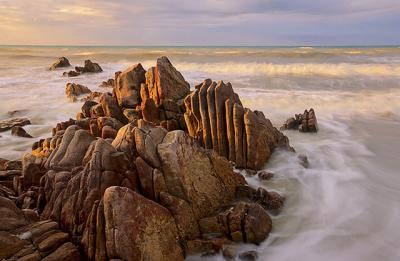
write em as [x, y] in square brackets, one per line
[207, 22]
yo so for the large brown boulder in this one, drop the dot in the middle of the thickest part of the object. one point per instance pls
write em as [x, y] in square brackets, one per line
[127, 87]
[203, 179]
[137, 228]
[165, 82]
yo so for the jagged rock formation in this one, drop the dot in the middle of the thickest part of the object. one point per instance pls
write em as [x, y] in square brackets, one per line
[216, 118]
[145, 172]
[306, 122]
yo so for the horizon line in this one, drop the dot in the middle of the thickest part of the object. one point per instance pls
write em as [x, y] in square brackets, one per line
[200, 46]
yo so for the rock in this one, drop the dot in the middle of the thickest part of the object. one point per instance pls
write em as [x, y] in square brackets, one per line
[108, 132]
[71, 74]
[150, 111]
[304, 160]
[73, 90]
[249, 255]
[111, 109]
[86, 107]
[265, 175]
[129, 236]
[269, 200]
[306, 122]
[133, 114]
[147, 139]
[13, 165]
[205, 120]
[20, 132]
[229, 252]
[89, 67]
[240, 136]
[222, 93]
[194, 174]
[110, 83]
[183, 215]
[165, 82]
[10, 123]
[65, 252]
[127, 89]
[60, 63]
[11, 217]
[108, 121]
[215, 117]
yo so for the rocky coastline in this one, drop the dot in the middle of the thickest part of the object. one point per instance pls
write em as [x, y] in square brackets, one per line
[147, 171]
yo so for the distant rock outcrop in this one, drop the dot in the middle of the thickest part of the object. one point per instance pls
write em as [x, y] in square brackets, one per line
[62, 62]
[306, 122]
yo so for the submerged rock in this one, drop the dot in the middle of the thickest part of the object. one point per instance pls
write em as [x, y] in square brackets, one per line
[20, 132]
[60, 63]
[10, 123]
[71, 74]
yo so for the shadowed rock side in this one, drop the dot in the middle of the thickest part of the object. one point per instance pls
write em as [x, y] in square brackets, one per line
[216, 118]
[137, 176]
[24, 237]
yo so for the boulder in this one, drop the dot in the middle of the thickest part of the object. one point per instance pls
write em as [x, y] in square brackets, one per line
[10, 123]
[127, 88]
[165, 82]
[129, 236]
[306, 122]
[110, 83]
[111, 109]
[71, 74]
[60, 63]
[89, 67]
[203, 179]
[20, 132]
[86, 107]
[73, 90]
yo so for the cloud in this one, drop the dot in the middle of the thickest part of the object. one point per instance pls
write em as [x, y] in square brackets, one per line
[188, 22]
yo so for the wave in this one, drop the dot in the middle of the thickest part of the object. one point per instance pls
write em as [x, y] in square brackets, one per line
[301, 69]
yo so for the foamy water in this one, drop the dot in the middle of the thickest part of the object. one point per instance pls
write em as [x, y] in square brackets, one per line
[346, 206]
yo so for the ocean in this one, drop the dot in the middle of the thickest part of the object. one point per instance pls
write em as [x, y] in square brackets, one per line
[345, 206]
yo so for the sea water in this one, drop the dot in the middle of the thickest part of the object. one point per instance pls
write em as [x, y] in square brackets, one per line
[345, 206]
